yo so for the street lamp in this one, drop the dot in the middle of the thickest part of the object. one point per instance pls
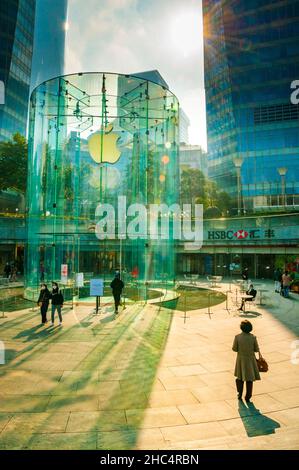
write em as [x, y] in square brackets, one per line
[282, 171]
[238, 163]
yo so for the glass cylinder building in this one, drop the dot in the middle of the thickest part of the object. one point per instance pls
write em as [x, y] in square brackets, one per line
[102, 177]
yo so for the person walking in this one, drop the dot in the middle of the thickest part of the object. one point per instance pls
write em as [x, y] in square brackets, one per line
[43, 302]
[42, 272]
[246, 369]
[277, 279]
[286, 282]
[117, 286]
[245, 274]
[57, 302]
[14, 271]
[7, 270]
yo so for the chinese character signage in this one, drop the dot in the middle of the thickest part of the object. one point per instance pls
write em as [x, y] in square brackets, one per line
[250, 234]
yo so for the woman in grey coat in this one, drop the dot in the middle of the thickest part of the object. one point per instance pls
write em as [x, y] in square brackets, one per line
[246, 370]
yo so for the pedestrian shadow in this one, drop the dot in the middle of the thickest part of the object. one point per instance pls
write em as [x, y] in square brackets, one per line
[33, 333]
[250, 314]
[255, 423]
[9, 355]
[108, 318]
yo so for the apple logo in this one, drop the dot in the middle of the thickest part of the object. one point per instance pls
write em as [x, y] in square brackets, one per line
[108, 139]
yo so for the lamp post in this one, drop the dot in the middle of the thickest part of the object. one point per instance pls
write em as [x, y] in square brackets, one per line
[282, 171]
[238, 163]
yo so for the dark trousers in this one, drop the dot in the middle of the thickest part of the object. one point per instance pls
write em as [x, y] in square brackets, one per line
[240, 385]
[43, 311]
[116, 296]
[58, 308]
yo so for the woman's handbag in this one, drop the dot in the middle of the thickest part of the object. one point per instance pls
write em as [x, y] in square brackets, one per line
[262, 364]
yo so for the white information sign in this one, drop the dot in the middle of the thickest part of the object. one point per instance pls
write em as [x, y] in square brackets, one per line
[80, 279]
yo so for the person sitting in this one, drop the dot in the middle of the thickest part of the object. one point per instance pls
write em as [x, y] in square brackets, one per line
[251, 291]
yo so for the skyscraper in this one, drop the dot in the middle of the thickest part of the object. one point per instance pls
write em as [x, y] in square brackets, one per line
[49, 40]
[32, 39]
[16, 40]
[251, 50]
[184, 127]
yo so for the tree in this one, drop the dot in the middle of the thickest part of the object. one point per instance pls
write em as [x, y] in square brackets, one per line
[197, 188]
[193, 184]
[13, 164]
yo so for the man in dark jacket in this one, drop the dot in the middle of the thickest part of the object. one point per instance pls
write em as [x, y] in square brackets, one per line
[43, 302]
[117, 286]
[7, 270]
[57, 302]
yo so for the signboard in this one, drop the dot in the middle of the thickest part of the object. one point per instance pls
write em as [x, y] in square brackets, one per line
[64, 272]
[241, 234]
[79, 280]
[96, 287]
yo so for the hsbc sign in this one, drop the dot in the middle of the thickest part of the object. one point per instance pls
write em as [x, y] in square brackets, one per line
[227, 234]
[240, 234]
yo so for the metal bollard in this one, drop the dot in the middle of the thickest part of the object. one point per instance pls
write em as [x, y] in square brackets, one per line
[185, 308]
[3, 310]
[226, 302]
[209, 306]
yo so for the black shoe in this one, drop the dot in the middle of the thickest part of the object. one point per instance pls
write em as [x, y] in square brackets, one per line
[239, 397]
[248, 400]
[116, 312]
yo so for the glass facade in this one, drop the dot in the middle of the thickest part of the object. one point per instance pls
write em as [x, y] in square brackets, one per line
[251, 57]
[16, 40]
[49, 40]
[103, 152]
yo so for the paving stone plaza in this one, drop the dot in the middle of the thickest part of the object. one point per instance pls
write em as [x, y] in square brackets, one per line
[150, 378]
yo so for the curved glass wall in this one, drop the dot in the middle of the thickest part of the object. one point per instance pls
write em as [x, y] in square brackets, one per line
[102, 174]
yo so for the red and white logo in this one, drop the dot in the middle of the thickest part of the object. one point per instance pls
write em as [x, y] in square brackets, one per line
[241, 234]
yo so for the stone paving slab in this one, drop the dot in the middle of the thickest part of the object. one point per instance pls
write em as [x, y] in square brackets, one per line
[96, 420]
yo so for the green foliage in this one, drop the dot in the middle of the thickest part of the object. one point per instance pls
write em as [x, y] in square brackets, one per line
[193, 186]
[196, 188]
[13, 164]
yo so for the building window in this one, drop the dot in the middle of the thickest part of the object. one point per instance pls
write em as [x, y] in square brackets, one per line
[275, 113]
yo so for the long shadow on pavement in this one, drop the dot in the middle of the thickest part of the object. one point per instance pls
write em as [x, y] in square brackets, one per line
[137, 339]
[254, 422]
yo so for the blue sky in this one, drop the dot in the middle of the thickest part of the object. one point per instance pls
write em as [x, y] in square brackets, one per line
[128, 36]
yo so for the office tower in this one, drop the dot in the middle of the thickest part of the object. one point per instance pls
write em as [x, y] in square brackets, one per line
[16, 39]
[193, 157]
[184, 127]
[49, 40]
[251, 52]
